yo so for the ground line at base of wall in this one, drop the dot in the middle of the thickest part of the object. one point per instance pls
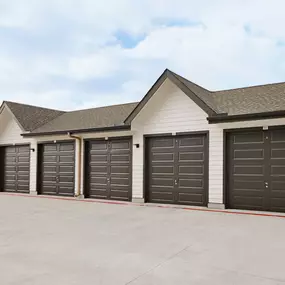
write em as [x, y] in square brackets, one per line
[144, 205]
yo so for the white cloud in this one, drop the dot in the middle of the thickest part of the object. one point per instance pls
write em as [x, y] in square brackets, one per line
[215, 50]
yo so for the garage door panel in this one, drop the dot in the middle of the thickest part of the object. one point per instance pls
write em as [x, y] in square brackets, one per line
[247, 184]
[98, 192]
[248, 138]
[158, 196]
[278, 186]
[119, 181]
[66, 159]
[248, 154]
[57, 167]
[191, 198]
[191, 170]
[99, 158]
[191, 184]
[278, 153]
[162, 182]
[191, 156]
[11, 160]
[109, 169]
[277, 136]
[257, 170]
[278, 170]
[98, 146]
[163, 170]
[16, 168]
[98, 169]
[98, 180]
[180, 170]
[162, 157]
[197, 141]
[248, 170]
[162, 143]
[120, 145]
[119, 194]
[120, 169]
[120, 158]
[65, 178]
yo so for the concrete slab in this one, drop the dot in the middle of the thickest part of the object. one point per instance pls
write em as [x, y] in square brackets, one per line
[46, 241]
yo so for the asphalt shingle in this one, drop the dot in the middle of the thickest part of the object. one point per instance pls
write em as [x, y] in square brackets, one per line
[101, 117]
[32, 117]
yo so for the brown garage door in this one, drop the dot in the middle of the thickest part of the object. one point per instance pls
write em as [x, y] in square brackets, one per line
[56, 171]
[256, 170]
[109, 169]
[16, 168]
[177, 170]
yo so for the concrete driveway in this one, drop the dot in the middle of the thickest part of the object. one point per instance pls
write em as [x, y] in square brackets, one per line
[56, 242]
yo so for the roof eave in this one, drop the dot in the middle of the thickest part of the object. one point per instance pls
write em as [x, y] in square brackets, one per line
[224, 118]
[79, 131]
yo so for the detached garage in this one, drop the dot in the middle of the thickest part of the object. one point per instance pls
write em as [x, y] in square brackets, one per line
[181, 144]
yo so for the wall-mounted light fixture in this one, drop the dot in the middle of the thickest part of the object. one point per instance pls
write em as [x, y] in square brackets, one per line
[32, 149]
[137, 145]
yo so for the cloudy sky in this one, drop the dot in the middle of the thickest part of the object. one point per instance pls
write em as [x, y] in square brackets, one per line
[71, 54]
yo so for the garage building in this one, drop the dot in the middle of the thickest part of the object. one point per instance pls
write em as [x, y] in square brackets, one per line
[181, 144]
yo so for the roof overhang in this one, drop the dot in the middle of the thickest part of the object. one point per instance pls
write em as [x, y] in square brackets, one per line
[224, 118]
[79, 131]
[167, 74]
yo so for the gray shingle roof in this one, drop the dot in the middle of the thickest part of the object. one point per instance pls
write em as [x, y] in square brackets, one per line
[32, 117]
[101, 117]
[248, 100]
[240, 101]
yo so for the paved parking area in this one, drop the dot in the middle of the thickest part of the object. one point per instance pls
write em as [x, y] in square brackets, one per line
[56, 242]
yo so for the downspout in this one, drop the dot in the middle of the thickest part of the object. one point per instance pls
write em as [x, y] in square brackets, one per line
[79, 155]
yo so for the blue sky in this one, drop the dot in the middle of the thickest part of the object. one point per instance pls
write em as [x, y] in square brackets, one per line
[72, 54]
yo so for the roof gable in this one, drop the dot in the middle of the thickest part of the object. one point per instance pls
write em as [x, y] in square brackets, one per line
[202, 97]
[31, 117]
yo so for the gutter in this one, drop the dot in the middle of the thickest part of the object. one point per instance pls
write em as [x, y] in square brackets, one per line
[224, 118]
[79, 156]
[78, 131]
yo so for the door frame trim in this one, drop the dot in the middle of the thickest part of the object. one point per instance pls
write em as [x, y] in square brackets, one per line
[207, 147]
